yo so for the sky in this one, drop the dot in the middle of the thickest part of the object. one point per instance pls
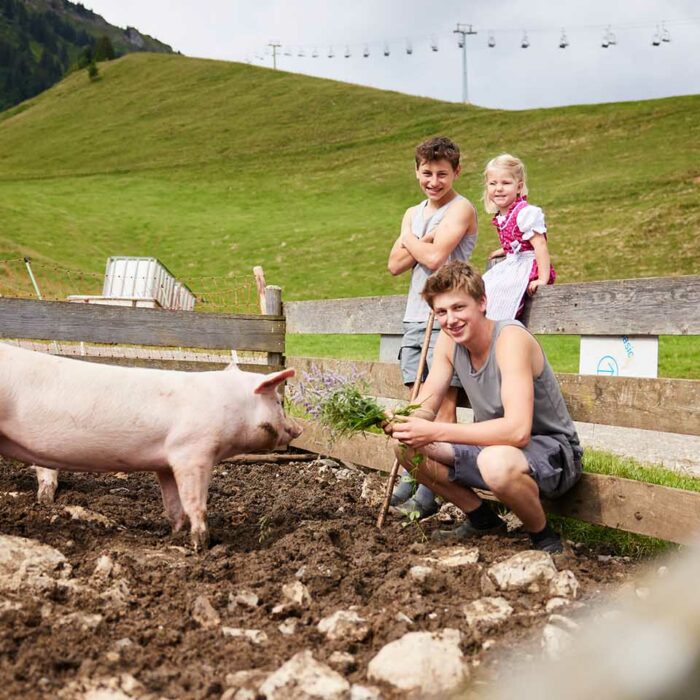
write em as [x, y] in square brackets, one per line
[504, 76]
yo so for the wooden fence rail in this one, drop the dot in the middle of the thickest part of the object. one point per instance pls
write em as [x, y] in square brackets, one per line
[652, 306]
[58, 320]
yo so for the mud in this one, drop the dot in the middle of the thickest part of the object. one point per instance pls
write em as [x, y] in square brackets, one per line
[271, 524]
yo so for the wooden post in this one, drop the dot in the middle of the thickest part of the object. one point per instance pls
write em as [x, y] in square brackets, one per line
[260, 282]
[273, 307]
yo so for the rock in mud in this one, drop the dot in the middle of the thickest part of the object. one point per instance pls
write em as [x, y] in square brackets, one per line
[255, 636]
[487, 613]
[204, 614]
[344, 625]
[27, 563]
[304, 678]
[424, 662]
[89, 516]
[523, 571]
[564, 585]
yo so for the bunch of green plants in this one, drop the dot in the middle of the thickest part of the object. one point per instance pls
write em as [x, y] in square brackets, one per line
[340, 403]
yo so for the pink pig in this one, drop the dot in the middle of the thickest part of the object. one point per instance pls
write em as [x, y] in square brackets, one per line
[62, 413]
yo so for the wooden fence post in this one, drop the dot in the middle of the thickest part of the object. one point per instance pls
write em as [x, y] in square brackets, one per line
[273, 307]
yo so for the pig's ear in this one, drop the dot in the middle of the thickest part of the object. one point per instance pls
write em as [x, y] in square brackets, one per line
[272, 381]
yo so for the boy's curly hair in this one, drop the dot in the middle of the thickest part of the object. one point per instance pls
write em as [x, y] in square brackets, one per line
[438, 148]
[454, 275]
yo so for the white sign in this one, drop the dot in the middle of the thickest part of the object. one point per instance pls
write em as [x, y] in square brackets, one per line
[625, 356]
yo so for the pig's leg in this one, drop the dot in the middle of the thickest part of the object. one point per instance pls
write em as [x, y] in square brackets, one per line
[171, 499]
[192, 476]
[47, 481]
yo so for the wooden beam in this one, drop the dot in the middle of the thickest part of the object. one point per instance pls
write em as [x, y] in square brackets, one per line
[652, 306]
[670, 405]
[634, 506]
[59, 320]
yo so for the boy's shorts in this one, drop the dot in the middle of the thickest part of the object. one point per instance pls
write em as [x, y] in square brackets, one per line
[554, 465]
[409, 355]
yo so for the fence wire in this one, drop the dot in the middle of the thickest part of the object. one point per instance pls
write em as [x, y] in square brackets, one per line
[236, 294]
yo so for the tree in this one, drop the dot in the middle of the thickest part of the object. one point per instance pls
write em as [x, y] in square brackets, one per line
[103, 50]
[93, 71]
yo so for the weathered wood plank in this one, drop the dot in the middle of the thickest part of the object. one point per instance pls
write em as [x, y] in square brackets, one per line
[58, 320]
[670, 405]
[634, 506]
[652, 306]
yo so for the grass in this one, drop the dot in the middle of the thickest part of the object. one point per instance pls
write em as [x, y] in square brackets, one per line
[215, 167]
[678, 355]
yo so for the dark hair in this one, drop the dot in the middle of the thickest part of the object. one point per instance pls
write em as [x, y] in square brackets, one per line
[438, 148]
[454, 275]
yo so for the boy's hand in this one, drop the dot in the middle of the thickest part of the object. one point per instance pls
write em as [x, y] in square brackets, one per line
[533, 286]
[412, 431]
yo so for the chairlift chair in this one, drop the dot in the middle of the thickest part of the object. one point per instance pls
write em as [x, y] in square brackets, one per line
[287, 52]
[434, 44]
[612, 39]
[665, 34]
[365, 53]
[314, 53]
[525, 41]
[492, 40]
[302, 53]
[563, 41]
[409, 47]
[347, 52]
[386, 50]
[460, 42]
[656, 39]
[331, 53]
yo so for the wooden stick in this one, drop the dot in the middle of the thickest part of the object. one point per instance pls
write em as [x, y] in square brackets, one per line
[264, 457]
[260, 282]
[414, 395]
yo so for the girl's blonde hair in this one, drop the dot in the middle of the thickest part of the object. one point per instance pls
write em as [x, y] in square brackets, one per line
[503, 162]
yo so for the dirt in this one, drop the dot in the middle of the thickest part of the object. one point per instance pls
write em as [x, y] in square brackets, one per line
[271, 524]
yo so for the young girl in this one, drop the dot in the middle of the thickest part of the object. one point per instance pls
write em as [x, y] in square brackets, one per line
[523, 236]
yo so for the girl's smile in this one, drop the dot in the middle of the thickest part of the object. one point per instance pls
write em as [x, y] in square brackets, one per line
[502, 188]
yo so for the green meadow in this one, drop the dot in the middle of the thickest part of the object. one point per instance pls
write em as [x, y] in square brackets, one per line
[215, 167]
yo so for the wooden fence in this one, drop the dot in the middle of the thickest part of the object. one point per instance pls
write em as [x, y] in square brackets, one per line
[669, 306]
[661, 306]
[65, 321]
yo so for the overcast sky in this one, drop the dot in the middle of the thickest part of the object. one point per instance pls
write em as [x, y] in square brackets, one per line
[505, 76]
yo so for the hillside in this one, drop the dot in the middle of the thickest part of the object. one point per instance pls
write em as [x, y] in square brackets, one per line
[215, 167]
[41, 40]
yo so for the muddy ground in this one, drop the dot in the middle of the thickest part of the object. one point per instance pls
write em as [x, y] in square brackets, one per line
[271, 524]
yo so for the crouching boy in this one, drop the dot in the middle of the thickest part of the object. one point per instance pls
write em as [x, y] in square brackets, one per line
[522, 443]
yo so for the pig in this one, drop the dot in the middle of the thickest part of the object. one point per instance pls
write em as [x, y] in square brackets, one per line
[63, 413]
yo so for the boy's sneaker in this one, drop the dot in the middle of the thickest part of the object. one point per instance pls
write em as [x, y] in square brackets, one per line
[466, 531]
[403, 491]
[424, 510]
[551, 544]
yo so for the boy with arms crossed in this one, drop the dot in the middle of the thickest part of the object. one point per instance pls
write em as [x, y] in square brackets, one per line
[522, 442]
[441, 228]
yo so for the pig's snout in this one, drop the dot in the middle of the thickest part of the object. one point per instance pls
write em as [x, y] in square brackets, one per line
[295, 429]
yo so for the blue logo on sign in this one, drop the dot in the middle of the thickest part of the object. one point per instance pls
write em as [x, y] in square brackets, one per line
[608, 365]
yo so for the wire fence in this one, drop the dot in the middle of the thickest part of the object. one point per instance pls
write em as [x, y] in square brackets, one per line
[38, 279]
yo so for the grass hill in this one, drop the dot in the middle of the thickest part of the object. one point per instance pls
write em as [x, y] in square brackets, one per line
[40, 40]
[215, 167]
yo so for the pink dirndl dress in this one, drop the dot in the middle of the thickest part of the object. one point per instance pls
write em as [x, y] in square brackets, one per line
[506, 283]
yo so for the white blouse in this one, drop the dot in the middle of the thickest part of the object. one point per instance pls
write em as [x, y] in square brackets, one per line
[531, 221]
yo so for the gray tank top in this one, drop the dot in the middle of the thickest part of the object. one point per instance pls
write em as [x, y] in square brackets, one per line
[483, 387]
[417, 310]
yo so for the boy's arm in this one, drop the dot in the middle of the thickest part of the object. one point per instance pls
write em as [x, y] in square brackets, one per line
[539, 243]
[400, 259]
[431, 394]
[459, 220]
[514, 358]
